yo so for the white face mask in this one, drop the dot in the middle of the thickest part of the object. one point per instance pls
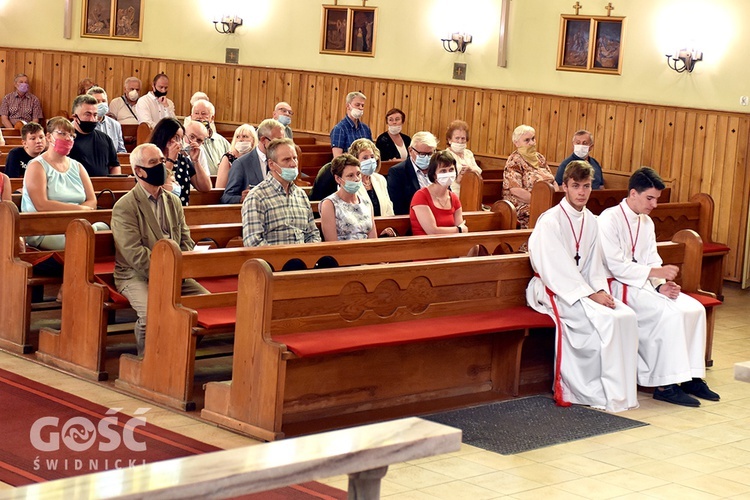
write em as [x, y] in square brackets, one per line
[458, 147]
[243, 147]
[445, 179]
[357, 113]
[394, 129]
[581, 150]
[133, 95]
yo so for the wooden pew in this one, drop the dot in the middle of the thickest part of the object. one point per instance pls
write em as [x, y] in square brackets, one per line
[234, 473]
[471, 191]
[168, 336]
[698, 215]
[15, 288]
[544, 197]
[336, 353]
[78, 346]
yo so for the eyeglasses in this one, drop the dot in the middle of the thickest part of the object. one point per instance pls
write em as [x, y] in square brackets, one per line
[193, 138]
[423, 155]
[64, 135]
[285, 111]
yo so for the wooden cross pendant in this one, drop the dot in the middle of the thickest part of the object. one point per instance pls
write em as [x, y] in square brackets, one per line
[577, 258]
[577, 7]
[609, 9]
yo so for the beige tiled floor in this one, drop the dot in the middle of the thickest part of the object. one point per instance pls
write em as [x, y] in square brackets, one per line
[685, 453]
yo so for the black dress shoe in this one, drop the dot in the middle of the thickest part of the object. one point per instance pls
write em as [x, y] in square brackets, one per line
[673, 394]
[698, 387]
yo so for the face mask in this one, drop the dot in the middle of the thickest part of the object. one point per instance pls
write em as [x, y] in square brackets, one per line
[176, 189]
[357, 113]
[23, 87]
[133, 95]
[368, 166]
[352, 187]
[86, 127]
[159, 93]
[186, 147]
[289, 174]
[63, 146]
[527, 150]
[156, 175]
[394, 129]
[422, 162]
[102, 109]
[458, 148]
[445, 179]
[581, 150]
[285, 120]
[243, 147]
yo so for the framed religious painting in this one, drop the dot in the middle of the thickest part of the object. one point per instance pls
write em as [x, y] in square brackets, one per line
[348, 30]
[112, 19]
[590, 44]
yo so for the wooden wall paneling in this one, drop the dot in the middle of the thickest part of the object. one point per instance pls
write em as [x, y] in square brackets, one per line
[725, 153]
[574, 121]
[706, 163]
[625, 136]
[685, 167]
[639, 129]
[698, 182]
[562, 121]
[647, 142]
[678, 131]
[429, 114]
[486, 119]
[737, 191]
[306, 110]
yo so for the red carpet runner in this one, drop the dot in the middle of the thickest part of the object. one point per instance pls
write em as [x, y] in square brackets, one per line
[48, 434]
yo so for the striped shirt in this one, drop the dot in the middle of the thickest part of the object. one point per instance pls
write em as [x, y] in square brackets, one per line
[270, 216]
[25, 107]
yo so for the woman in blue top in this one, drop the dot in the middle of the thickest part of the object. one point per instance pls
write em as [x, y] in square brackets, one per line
[54, 182]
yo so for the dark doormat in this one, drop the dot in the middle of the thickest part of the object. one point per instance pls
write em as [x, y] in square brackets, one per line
[529, 423]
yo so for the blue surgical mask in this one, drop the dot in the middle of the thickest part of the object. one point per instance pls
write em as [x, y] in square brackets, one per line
[102, 109]
[422, 162]
[285, 120]
[368, 166]
[352, 187]
[289, 174]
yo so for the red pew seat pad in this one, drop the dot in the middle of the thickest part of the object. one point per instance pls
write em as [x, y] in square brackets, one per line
[715, 248]
[362, 337]
[705, 300]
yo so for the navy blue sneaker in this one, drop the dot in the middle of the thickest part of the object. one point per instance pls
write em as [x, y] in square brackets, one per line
[675, 395]
[698, 387]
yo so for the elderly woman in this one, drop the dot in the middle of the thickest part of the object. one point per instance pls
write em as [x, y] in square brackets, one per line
[85, 84]
[55, 182]
[393, 145]
[374, 185]
[435, 209]
[244, 140]
[346, 214]
[169, 136]
[457, 136]
[524, 168]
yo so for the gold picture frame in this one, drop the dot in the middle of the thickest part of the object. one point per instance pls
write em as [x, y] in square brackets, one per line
[112, 19]
[348, 30]
[591, 44]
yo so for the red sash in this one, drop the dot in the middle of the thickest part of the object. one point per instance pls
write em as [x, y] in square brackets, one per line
[558, 392]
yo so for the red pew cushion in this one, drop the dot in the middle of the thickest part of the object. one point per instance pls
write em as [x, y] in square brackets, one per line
[364, 337]
[220, 284]
[217, 317]
[715, 248]
[705, 300]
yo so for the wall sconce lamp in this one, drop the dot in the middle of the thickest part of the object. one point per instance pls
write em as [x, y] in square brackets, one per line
[457, 42]
[228, 24]
[684, 60]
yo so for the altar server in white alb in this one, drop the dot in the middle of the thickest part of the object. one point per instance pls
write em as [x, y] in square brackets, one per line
[671, 325]
[597, 337]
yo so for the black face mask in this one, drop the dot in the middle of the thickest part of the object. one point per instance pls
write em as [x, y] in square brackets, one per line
[159, 93]
[156, 175]
[86, 127]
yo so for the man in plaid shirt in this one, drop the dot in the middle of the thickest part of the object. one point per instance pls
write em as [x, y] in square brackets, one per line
[20, 105]
[276, 212]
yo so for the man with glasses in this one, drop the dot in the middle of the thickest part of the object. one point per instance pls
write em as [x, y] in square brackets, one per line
[351, 127]
[92, 148]
[145, 215]
[283, 114]
[410, 175]
[251, 169]
[215, 145]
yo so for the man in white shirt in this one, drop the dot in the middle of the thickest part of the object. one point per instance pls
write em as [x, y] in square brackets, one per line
[671, 325]
[123, 107]
[104, 123]
[154, 106]
[597, 335]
